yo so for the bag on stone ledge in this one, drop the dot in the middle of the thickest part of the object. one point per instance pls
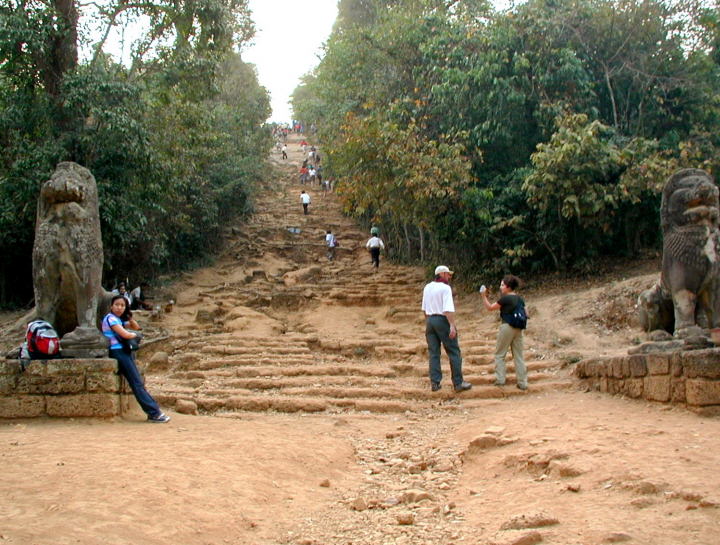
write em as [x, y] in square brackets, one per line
[43, 342]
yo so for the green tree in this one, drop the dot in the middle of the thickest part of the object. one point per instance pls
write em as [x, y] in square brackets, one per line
[173, 140]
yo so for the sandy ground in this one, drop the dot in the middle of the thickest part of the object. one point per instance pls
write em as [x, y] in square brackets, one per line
[603, 468]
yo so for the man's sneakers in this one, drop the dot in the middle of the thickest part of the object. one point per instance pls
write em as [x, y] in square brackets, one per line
[522, 387]
[463, 386]
[162, 418]
[435, 386]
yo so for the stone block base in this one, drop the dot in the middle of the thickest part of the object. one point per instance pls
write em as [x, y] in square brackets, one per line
[64, 388]
[690, 378]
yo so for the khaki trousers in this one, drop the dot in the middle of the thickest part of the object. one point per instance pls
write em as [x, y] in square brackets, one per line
[510, 338]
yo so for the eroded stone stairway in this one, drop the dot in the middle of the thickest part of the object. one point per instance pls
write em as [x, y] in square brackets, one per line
[275, 326]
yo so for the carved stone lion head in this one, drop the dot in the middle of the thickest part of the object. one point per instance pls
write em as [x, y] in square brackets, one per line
[690, 197]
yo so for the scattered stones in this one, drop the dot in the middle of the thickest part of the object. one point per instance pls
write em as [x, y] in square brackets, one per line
[642, 503]
[444, 465]
[415, 496]
[495, 430]
[185, 406]
[406, 518]
[359, 504]
[325, 483]
[561, 469]
[616, 537]
[159, 360]
[492, 438]
[527, 539]
[646, 487]
[392, 501]
[532, 520]
[573, 488]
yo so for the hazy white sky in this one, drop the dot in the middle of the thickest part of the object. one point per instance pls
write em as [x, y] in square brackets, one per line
[287, 45]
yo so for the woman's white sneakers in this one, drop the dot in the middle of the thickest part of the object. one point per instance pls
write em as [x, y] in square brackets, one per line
[162, 418]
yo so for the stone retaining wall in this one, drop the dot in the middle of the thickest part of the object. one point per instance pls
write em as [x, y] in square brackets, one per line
[63, 388]
[690, 378]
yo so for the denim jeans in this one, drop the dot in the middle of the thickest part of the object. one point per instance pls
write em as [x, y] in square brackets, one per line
[437, 332]
[128, 369]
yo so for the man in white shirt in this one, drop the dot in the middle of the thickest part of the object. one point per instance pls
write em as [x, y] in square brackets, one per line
[331, 242]
[440, 329]
[305, 200]
[122, 290]
[375, 244]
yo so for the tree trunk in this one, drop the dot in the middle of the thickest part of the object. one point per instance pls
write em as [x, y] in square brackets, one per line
[407, 240]
[60, 54]
[608, 83]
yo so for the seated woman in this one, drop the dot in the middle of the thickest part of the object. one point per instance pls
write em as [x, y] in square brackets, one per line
[114, 326]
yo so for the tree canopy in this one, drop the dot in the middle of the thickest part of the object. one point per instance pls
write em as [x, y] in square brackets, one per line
[529, 139]
[172, 136]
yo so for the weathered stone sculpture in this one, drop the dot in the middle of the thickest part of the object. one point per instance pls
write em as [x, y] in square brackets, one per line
[655, 310]
[68, 260]
[691, 250]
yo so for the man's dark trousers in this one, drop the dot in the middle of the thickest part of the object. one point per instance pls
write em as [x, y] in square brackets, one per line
[437, 332]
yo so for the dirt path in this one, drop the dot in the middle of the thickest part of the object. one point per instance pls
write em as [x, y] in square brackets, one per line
[316, 424]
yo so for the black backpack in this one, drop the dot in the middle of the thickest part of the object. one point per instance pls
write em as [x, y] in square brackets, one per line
[518, 319]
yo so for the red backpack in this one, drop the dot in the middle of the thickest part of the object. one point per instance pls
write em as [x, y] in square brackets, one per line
[42, 340]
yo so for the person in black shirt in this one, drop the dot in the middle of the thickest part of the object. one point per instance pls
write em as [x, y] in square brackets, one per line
[508, 336]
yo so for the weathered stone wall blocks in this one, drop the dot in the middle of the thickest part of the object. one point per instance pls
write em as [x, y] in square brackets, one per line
[690, 378]
[62, 388]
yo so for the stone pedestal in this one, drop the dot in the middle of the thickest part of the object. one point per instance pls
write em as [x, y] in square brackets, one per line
[63, 388]
[84, 342]
[690, 378]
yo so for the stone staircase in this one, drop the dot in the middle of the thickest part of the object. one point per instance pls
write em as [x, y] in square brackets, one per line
[323, 336]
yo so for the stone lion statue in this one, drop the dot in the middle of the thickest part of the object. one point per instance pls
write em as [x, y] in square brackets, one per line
[689, 215]
[68, 259]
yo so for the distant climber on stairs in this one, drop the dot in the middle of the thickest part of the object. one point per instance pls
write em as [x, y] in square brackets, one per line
[305, 200]
[374, 245]
[331, 243]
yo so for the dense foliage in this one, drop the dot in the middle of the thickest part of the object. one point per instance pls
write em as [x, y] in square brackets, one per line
[530, 139]
[172, 138]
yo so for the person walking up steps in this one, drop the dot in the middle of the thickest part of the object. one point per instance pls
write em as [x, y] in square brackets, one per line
[305, 200]
[439, 310]
[331, 243]
[375, 244]
[508, 336]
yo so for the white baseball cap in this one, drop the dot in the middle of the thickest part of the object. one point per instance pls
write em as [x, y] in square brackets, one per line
[442, 269]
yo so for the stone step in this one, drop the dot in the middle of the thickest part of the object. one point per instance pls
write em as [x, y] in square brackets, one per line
[337, 399]
[286, 371]
[337, 385]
